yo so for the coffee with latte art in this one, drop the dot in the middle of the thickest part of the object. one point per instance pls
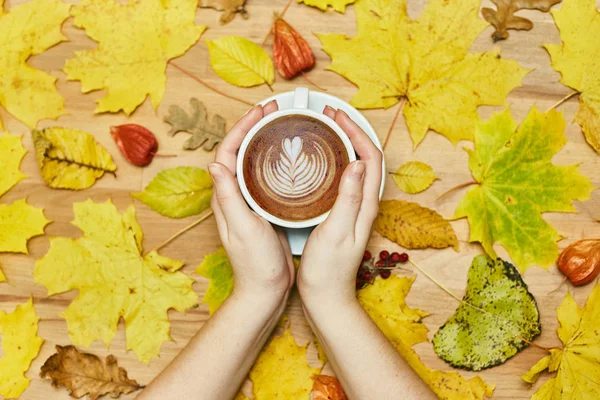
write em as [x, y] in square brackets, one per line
[292, 167]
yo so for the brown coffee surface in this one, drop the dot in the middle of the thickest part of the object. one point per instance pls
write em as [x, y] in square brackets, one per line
[293, 166]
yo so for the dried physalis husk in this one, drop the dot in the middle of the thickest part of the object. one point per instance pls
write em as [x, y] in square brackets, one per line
[291, 52]
[580, 261]
[136, 143]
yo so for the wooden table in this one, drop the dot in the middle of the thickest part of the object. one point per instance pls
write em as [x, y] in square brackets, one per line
[540, 88]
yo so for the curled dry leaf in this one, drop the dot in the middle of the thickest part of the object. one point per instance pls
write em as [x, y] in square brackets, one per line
[84, 373]
[291, 53]
[136, 143]
[229, 8]
[196, 123]
[504, 17]
[580, 261]
[327, 388]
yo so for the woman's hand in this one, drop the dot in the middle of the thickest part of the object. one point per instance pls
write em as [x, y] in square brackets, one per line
[260, 256]
[335, 248]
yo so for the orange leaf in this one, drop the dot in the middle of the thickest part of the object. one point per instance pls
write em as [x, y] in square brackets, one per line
[291, 52]
[327, 388]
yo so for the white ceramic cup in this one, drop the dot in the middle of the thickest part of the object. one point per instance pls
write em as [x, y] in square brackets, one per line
[300, 107]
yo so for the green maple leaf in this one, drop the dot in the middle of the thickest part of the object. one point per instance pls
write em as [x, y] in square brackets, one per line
[516, 182]
[217, 268]
[496, 312]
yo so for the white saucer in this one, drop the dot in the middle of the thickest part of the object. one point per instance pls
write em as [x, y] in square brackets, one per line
[317, 102]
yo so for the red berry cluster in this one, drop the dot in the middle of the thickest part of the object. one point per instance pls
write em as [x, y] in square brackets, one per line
[369, 268]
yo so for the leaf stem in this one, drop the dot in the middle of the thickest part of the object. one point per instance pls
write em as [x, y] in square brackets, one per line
[211, 87]
[289, 3]
[567, 97]
[462, 185]
[389, 133]
[535, 344]
[184, 230]
[311, 82]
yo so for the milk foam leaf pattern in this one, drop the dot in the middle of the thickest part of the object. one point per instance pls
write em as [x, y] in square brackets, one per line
[577, 363]
[204, 133]
[229, 8]
[114, 280]
[385, 302]
[425, 61]
[70, 158]
[578, 61]
[27, 30]
[217, 268]
[496, 319]
[178, 192]
[516, 182]
[135, 39]
[20, 345]
[337, 5]
[11, 155]
[20, 222]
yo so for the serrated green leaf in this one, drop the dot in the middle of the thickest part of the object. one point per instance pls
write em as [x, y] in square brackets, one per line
[178, 192]
[217, 268]
[496, 312]
[414, 177]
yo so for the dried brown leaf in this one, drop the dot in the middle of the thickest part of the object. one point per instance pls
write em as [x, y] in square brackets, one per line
[504, 17]
[229, 8]
[84, 373]
[203, 132]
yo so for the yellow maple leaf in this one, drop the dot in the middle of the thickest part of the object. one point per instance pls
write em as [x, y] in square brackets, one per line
[281, 371]
[577, 364]
[21, 345]
[11, 154]
[578, 61]
[70, 158]
[30, 29]
[135, 42]
[384, 301]
[413, 226]
[114, 280]
[425, 61]
[240, 61]
[337, 5]
[20, 222]
[414, 177]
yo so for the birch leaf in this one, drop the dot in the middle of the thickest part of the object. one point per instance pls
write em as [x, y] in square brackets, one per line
[414, 177]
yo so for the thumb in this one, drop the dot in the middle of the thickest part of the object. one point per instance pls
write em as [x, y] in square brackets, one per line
[228, 195]
[344, 213]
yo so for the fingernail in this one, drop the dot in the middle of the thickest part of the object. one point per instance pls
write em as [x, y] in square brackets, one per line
[329, 108]
[358, 170]
[215, 172]
[269, 103]
[342, 112]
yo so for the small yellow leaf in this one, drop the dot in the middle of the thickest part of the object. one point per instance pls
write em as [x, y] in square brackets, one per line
[337, 5]
[30, 29]
[281, 371]
[11, 154]
[414, 177]
[217, 268]
[70, 158]
[21, 345]
[322, 355]
[240, 61]
[240, 396]
[135, 39]
[413, 226]
[20, 222]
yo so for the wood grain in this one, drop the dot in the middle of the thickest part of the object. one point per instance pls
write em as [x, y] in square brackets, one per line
[540, 88]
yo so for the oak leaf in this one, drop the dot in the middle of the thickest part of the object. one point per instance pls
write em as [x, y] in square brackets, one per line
[70, 158]
[240, 61]
[577, 363]
[496, 319]
[20, 222]
[135, 42]
[337, 5]
[414, 177]
[20, 344]
[284, 359]
[11, 155]
[426, 61]
[413, 226]
[327, 388]
[28, 30]
[504, 17]
[114, 280]
[516, 181]
[385, 303]
[217, 269]
[84, 373]
[229, 8]
[578, 61]
[204, 133]
[178, 192]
